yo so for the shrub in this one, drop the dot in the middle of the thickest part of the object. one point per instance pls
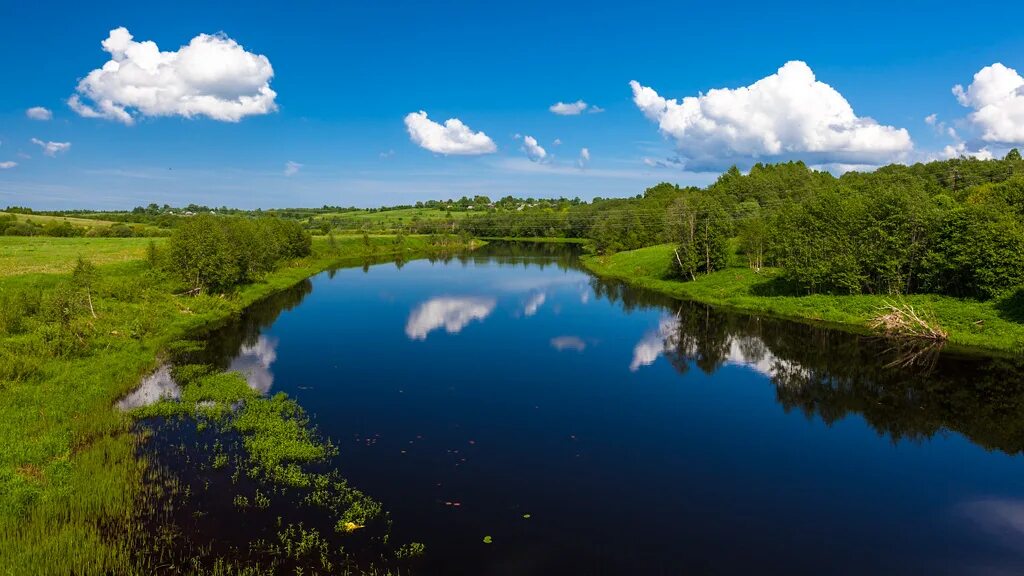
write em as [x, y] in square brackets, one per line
[215, 253]
[978, 251]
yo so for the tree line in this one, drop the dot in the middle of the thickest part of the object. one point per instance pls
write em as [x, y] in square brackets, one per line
[953, 227]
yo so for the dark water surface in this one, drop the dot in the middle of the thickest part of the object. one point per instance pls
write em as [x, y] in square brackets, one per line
[639, 434]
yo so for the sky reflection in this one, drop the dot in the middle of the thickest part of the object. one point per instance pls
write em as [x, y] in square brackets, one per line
[157, 386]
[253, 362]
[563, 343]
[453, 313]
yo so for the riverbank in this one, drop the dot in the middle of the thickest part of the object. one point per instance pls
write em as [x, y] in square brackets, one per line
[69, 478]
[993, 326]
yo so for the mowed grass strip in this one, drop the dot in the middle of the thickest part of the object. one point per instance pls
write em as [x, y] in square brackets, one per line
[400, 216]
[45, 255]
[46, 219]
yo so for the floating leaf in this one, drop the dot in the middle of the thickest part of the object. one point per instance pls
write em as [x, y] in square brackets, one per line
[351, 526]
[488, 540]
[526, 516]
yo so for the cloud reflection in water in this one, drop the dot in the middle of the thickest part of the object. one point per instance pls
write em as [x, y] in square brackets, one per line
[746, 351]
[534, 304]
[157, 386]
[562, 343]
[253, 362]
[453, 313]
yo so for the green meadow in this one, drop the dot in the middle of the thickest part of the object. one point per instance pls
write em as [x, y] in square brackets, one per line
[46, 255]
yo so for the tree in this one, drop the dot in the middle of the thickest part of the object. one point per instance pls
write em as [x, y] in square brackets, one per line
[701, 227]
[199, 250]
[753, 236]
[812, 241]
[82, 279]
[978, 252]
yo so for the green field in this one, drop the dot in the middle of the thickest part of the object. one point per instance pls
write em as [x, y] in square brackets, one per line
[42, 254]
[391, 218]
[994, 325]
[44, 219]
[68, 469]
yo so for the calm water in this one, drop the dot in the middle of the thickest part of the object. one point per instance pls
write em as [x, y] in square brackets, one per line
[641, 435]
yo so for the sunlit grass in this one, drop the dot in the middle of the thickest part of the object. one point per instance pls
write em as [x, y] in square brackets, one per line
[44, 255]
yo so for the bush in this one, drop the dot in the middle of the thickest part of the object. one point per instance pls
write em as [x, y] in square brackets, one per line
[200, 252]
[978, 252]
[215, 253]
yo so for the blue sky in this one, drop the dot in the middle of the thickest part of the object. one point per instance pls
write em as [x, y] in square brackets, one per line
[346, 76]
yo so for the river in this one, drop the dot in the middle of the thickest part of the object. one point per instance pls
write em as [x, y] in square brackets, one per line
[587, 427]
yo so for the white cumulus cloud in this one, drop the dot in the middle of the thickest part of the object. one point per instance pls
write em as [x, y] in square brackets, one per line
[584, 158]
[568, 108]
[453, 137]
[39, 113]
[291, 168]
[958, 148]
[211, 76]
[7, 164]
[534, 151]
[789, 114]
[52, 148]
[997, 97]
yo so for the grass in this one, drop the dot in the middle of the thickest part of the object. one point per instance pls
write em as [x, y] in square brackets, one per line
[45, 219]
[994, 325]
[69, 478]
[44, 255]
[390, 218]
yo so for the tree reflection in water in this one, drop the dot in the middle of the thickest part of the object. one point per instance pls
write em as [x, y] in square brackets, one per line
[905, 390]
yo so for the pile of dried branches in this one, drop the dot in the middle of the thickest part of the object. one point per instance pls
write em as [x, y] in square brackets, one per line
[901, 320]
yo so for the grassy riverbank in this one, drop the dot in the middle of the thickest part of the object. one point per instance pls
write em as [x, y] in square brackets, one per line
[69, 479]
[994, 325]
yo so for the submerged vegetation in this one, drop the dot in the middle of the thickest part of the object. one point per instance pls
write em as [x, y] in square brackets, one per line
[71, 345]
[264, 451]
